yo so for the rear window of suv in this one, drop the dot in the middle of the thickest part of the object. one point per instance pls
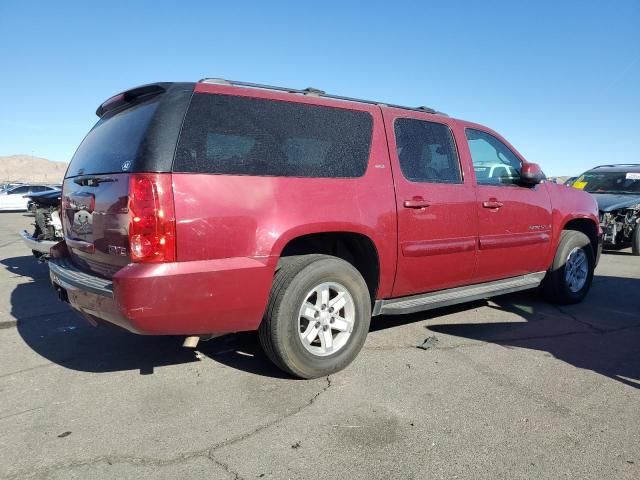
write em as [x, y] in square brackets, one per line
[232, 135]
[113, 143]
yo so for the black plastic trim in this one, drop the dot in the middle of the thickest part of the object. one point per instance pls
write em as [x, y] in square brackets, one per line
[159, 145]
[64, 273]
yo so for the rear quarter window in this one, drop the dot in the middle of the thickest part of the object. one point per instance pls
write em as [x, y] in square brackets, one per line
[231, 135]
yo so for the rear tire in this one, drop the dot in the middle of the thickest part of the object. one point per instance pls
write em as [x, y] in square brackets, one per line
[635, 240]
[301, 306]
[571, 274]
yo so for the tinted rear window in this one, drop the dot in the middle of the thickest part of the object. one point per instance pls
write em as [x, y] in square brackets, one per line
[113, 143]
[247, 136]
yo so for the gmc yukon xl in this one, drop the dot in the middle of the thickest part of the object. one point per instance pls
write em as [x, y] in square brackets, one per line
[200, 209]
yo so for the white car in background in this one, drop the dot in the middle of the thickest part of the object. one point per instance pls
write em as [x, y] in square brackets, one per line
[13, 198]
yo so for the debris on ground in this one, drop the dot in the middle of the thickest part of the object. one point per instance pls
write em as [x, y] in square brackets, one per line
[428, 343]
[296, 445]
[64, 434]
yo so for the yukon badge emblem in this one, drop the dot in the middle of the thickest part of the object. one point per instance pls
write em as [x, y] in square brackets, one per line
[82, 222]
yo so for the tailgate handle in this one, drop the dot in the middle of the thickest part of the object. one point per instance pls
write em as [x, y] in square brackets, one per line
[81, 245]
[416, 202]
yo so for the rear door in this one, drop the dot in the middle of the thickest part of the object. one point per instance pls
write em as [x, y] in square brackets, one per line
[514, 220]
[139, 135]
[96, 221]
[437, 222]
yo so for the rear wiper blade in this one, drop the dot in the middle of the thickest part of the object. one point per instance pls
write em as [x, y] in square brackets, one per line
[93, 181]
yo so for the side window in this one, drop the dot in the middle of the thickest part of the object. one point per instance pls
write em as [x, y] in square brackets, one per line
[493, 162]
[426, 151]
[235, 135]
[19, 191]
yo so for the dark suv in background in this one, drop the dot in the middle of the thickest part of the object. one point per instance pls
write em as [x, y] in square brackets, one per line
[205, 208]
[616, 188]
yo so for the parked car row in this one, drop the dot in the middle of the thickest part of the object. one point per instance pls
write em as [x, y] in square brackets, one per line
[15, 196]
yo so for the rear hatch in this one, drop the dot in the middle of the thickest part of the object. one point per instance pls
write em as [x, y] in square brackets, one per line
[136, 134]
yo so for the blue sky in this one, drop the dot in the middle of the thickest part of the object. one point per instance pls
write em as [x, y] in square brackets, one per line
[560, 80]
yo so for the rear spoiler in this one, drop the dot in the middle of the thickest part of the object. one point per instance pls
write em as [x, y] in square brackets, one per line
[130, 96]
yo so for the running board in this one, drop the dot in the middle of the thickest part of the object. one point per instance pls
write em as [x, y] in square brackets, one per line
[453, 296]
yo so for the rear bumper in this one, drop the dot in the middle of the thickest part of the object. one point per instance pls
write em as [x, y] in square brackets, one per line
[42, 246]
[180, 298]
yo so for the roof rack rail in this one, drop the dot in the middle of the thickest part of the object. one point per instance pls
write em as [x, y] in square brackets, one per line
[315, 92]
[618, 165]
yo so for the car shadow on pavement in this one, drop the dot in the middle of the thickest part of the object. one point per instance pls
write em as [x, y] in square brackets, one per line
[54, 331]
[601, 334]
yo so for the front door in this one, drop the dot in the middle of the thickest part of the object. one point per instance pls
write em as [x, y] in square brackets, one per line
[437, 222]
[514, 220]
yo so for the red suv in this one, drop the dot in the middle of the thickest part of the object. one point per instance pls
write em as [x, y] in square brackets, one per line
[205, 208]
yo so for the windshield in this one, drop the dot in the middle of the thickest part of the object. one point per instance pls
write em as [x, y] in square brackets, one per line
[609, 182]
[112, 144]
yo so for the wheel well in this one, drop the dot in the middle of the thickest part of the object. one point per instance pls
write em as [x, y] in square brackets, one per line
[357, 249]
[587, 227]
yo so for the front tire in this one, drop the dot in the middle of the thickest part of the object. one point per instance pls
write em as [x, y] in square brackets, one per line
[571, 274]
[318, 316]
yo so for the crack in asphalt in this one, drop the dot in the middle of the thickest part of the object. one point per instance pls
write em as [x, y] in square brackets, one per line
[576, 319]
[207, 453]
[244, 436]
[225, 466]
[110, 460]
[20, 413]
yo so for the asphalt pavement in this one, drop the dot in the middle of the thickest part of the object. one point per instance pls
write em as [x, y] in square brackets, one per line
[513, 388]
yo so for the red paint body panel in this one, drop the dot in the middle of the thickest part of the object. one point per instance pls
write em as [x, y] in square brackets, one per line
[206, 296]
[570, 204]
[184, 298]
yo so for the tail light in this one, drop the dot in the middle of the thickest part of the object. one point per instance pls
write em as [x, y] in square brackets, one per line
[152, 225]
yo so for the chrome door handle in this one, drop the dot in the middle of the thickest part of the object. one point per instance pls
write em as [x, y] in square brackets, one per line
[416, 202]
[492, 204]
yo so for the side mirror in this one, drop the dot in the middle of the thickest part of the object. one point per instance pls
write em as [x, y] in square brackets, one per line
[531, 174]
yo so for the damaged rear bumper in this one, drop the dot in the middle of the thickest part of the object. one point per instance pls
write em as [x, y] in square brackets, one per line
[42, 246]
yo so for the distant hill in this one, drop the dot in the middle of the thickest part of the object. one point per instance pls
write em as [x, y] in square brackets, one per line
[25, 168]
